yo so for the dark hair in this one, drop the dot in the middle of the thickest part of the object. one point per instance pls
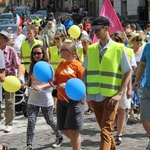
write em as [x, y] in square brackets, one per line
[33, 61]
[41, 28]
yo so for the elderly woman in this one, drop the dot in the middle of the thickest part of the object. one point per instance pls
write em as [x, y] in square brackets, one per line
[137, 44]
[50, 30]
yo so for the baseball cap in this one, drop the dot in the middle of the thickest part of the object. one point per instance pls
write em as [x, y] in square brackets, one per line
[9, 28]
[4, 33]
[99, 22]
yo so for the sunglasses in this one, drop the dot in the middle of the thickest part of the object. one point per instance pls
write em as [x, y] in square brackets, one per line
[137, 40]
[148, 26]
[57, 38]
[129, 35]
[37, 53]
[63, 50]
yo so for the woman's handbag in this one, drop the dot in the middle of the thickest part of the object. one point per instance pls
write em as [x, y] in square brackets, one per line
[54, 93]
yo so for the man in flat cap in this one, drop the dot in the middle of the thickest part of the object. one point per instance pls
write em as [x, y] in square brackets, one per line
[107, 72]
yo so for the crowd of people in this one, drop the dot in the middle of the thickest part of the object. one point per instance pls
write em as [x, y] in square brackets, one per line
[115, 71]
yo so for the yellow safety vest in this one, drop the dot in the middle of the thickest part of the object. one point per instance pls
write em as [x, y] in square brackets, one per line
[129, 51]
[37, 22]
[26, 51]
[104, 77]
[80, 53]
[55, 58]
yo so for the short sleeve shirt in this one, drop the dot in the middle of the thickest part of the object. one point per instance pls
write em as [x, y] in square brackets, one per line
[66, 71]
[146, 58]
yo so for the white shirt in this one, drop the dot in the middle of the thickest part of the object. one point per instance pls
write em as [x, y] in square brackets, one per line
[84, 32]
[42, 98]
[18, 39]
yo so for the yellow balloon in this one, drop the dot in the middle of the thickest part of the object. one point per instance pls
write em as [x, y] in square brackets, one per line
[11, 84]
[74, 31]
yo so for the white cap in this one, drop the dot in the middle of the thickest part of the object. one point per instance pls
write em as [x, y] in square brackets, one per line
[9, 28]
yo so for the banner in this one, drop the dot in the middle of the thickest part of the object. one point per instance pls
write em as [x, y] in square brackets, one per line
[109, 12]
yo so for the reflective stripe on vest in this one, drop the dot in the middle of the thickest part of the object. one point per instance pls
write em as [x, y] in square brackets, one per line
[55, 57]
[104, 77]
[26, 51]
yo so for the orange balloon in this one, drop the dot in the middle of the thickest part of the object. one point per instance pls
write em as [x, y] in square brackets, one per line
[22, 69]
[68, 31]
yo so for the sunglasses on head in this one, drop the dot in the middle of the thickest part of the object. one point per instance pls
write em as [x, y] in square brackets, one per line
[37, 53]
[137, 40]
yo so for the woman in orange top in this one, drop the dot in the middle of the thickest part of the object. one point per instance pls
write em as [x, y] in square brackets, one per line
[70, 113]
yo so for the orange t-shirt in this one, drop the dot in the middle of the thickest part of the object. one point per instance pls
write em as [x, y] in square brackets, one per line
[66, 71]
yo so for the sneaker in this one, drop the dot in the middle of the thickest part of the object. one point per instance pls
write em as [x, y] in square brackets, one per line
[8, 128]
[29, 147]
[58, 142]
[148, 146]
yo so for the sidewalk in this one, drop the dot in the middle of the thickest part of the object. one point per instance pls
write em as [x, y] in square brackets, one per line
[133, 139]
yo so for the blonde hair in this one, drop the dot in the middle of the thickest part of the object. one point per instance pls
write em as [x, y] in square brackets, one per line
[85, 38]
[71, 47]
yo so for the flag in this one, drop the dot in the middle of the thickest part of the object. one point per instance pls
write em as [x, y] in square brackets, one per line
[19, 21]
[109, 12]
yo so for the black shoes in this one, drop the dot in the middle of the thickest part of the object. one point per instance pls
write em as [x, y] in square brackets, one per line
[58, 142]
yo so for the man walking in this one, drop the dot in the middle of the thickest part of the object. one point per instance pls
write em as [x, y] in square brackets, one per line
[107, 72]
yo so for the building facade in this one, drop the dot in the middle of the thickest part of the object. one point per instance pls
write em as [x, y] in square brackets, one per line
[137, 9]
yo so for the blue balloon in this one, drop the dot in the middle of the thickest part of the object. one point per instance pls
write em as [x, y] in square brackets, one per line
[43, 71]
[75, 89]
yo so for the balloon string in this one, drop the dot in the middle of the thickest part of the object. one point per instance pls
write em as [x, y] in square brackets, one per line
[46, 92]
[60, 92]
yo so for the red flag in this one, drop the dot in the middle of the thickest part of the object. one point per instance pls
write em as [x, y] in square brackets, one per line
[109, 12]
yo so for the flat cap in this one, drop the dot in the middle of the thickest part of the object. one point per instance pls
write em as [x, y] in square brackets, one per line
[99, 22]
